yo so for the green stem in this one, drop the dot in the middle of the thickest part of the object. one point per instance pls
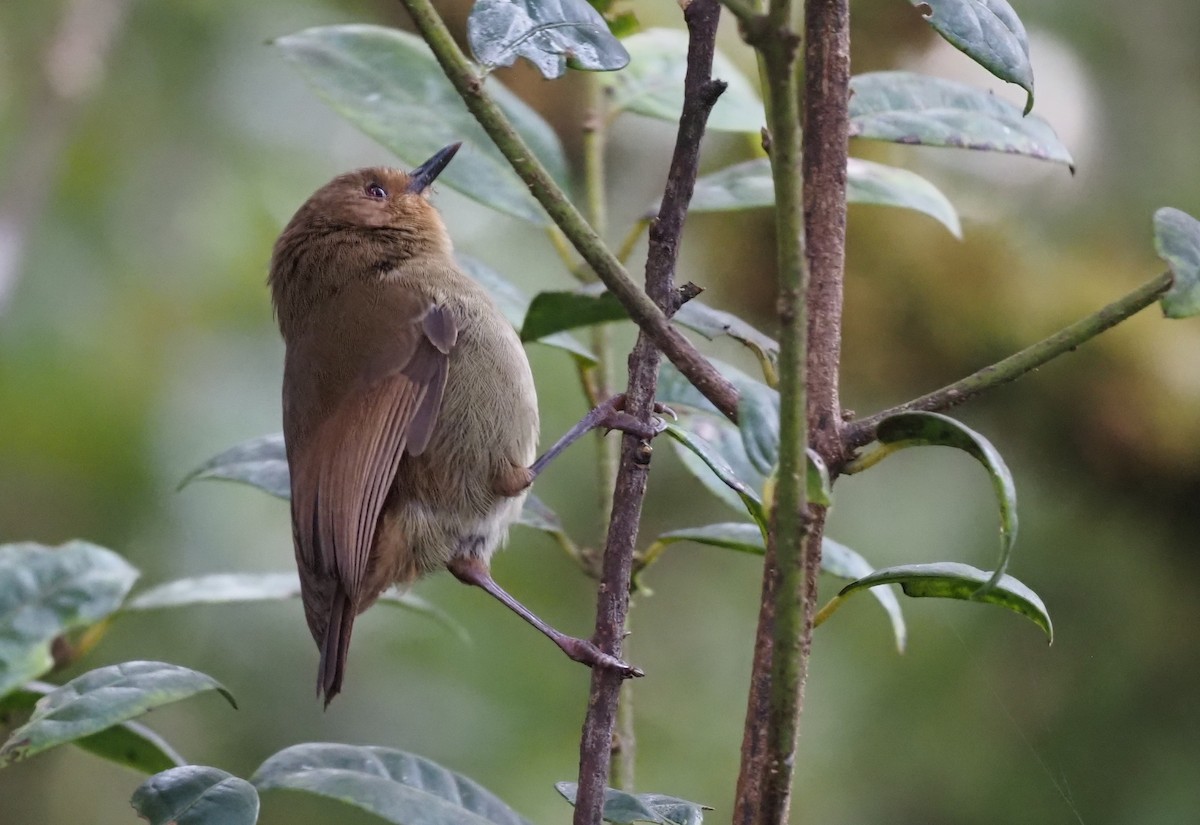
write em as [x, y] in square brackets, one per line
[1017, 364]
[469, 84]
[768, 748]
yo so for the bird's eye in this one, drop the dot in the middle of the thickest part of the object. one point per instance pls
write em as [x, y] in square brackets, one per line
[374, 190]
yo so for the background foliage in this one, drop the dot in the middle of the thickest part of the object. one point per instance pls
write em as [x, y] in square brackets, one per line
[136, 340]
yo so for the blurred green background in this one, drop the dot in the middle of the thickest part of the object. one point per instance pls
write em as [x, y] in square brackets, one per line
[149, 153]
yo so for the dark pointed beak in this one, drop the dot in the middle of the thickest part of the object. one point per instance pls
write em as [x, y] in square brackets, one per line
[424, 175]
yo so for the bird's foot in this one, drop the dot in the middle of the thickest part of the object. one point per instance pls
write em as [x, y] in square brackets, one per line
[586, 652]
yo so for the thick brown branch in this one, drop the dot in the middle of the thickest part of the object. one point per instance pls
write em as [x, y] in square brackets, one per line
[700, 93]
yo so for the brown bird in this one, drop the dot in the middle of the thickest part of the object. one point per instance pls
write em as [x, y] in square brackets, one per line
[409, 410]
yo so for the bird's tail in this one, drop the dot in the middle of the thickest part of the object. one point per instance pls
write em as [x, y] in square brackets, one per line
[334, 646]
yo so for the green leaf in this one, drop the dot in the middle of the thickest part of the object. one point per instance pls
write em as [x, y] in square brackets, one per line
[758, 423]
[950, 580]
[621, 21]
[714, 323]
[652, 85]
[1177, 241]
[515, 304]
[839, 560]
[555, 311]
[232, 588]
[48, 591]
[741, 536]
[388, 84]
[129, 743]
[691, 433]
[623, 808]
[196, 795]
[552, 312]
[101, 698]
[987, 31]
[749, 186]
[396, 786]
[836, 559]
[749, 454]
[550, 34]
[921, 428]
[260, 462]
[905, 107]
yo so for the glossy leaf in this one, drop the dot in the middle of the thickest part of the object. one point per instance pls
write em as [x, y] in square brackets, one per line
[48, 591]
[129, 743]
[554, 311]
[741, 536]
[550, 34]
[839, 560]
[1177, 241]
[101, 698]
[515, 304]
[951, 580]
[388, 84]
[700, 453]
[231, 588]
[836, 559]
[652, 85]
[749, 186]
[715, 323]
[905, 107]
[622, 808]
[987, 31]
[399, 787]
[262, 462]
[922, 428]
[196, 795]
[758, 423]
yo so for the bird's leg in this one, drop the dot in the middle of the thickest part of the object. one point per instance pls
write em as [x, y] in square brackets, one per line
[609, 414]
[470, 569]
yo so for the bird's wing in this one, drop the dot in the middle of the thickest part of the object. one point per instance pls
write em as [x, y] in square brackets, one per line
[342, 475]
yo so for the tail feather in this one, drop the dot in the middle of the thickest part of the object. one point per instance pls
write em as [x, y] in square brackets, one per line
[334, 646]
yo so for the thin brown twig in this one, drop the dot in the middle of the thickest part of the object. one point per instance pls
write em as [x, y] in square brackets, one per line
[700, 93]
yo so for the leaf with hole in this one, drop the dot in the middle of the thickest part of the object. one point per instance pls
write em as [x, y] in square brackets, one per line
[926, 428]
[46, 592]
[905, 107]
[951, 580]
[388, 84]
[749, 185]
[196, 795]
[550, 34]
[396, 786]
[1177, 241]
[987, 31]
[652, 84]
[622, 808]
[101, 698]
[233, 588]
[515, 305]
[130, 744]
[262, 462]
